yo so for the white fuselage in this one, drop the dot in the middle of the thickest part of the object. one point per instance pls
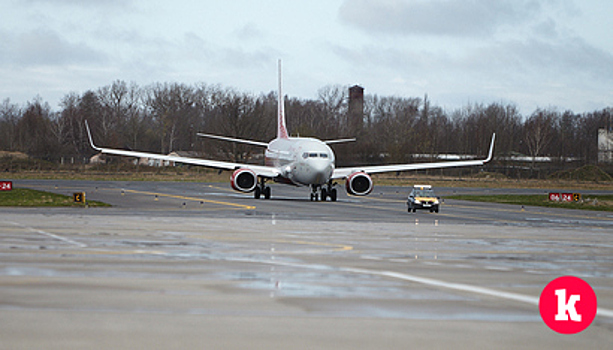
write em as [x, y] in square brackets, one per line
[302, 161]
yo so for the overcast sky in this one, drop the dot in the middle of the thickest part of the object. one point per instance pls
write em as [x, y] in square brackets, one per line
[549, 53]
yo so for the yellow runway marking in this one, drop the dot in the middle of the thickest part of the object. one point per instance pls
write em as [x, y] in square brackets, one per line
[334, 247]
[249, 207]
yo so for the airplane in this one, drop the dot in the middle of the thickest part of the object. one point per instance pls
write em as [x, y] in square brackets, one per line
[297, 161]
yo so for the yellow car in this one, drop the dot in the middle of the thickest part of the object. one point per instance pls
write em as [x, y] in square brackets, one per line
[423, 197]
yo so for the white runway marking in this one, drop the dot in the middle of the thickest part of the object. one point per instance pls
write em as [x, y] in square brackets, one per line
[48, 234]
[426, 281]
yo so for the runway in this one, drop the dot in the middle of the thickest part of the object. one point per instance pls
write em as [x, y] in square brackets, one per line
[193, 265]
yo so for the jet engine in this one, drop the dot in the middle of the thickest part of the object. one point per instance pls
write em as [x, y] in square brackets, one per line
[244, 180]
[359, 184]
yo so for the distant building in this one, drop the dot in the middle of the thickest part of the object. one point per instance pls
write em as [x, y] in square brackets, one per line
[97, 159]
[355, 117]
[14, 155]
[605, 146]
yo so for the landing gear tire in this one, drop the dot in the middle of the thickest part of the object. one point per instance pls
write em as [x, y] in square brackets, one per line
[315, 193]
[333, 195]
[262, 190]
[329, 192]
[266, 192]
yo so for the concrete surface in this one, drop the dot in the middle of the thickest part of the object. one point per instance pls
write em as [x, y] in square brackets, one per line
[200, 266]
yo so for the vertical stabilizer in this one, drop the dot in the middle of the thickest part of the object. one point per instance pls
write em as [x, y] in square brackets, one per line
[281, 128]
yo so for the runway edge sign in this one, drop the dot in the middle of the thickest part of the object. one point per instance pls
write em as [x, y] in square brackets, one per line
[564, 197]
[6, 185]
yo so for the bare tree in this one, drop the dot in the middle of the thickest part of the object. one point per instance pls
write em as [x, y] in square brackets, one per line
[9, 117]
[242, 116]
[33, 130]
[173, 109]
[539, 131]
[333, 112]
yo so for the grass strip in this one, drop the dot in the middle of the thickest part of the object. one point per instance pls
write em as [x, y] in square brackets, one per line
[589, 202]
[23, 197]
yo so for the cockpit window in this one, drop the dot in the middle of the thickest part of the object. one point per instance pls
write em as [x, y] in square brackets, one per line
[306, 155]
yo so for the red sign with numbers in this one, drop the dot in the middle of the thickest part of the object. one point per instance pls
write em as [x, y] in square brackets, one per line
[6, 185]
[564, 197]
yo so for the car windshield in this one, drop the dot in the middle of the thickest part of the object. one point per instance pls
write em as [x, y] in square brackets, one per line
[424, 193]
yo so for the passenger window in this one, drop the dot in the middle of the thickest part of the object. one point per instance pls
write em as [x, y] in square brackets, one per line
[313, 155]
[305, 155]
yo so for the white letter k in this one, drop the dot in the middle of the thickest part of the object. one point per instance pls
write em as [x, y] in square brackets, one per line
[567, 309]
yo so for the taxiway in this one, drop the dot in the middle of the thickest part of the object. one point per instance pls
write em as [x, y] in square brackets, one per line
[192, 265]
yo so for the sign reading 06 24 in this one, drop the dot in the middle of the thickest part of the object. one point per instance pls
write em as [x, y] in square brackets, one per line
[79, 197]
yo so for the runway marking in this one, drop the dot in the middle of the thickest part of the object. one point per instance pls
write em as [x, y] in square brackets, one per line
[221, 188]
[248, 207]
[499, 294]
[48, 234]
[334, 247]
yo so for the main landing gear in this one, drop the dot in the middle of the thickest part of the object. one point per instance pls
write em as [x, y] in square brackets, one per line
[262, 190]
[326, 192]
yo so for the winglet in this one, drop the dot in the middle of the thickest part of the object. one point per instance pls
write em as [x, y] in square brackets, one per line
[491, 153]
[89, 135]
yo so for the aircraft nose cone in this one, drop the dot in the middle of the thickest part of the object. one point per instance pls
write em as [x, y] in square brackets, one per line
[321, 172]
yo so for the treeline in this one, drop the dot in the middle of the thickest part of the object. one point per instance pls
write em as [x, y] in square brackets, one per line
[166, 117]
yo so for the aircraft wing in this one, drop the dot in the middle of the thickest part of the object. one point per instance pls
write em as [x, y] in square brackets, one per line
[260, 170]
[345, 172]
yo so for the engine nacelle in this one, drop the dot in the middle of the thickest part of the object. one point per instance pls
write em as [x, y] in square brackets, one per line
[244, 180]
[359, 184]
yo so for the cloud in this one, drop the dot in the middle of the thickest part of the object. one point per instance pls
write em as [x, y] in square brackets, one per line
[233, 56]
[249, 32]
[535, 71]
[79, 3]
[48, 48]
[438, 17]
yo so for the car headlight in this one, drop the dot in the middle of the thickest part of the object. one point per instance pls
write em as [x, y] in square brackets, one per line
[417, 201]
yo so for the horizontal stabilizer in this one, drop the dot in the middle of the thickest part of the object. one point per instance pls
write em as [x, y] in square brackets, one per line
[331, 142]
[230, 139]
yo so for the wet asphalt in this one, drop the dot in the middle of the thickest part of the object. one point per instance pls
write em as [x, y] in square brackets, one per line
[177, 265]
